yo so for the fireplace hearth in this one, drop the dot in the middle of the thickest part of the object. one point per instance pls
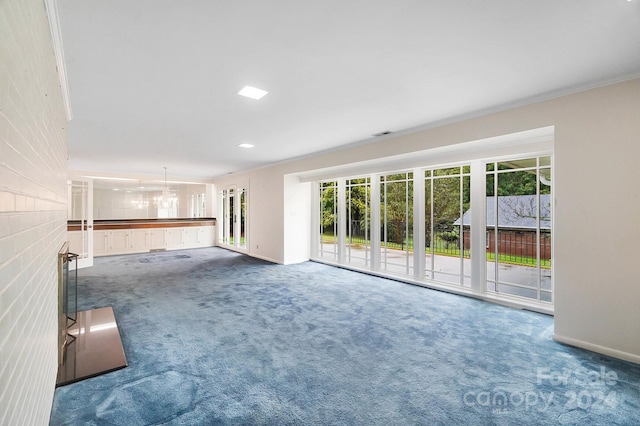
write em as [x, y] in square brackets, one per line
[89, 342]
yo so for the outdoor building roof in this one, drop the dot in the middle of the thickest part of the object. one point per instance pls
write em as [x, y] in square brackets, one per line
[516, 212]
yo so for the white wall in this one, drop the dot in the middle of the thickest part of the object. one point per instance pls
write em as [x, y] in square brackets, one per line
[33, 162]
[297, 216]
[597, 230]
[265, 212]
[597, 239]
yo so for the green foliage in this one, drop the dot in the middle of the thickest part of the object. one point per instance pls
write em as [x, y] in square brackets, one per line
[522, 182]
[443, 197]
[451, 236]
[445, 202]
[396, 205]
[358, 200]
[328, 203]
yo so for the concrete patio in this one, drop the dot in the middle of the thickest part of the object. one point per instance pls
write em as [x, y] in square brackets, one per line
[515, 280]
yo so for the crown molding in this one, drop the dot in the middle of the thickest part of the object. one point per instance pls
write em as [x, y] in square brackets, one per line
[56, 36]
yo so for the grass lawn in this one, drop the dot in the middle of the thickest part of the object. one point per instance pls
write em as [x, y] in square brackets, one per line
[443, 248]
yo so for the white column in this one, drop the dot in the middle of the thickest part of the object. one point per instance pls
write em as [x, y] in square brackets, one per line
[478, 232]
[315, 220]
[418, 224]
[211, 201]
[342, 220]
[375, 222]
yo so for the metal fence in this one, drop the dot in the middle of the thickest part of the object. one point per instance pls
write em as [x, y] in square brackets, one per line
[514, 246]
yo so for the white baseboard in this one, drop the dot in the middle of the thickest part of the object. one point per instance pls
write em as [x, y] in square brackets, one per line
[597, 348]
[257, 256]
[268, 259]
[293, 262]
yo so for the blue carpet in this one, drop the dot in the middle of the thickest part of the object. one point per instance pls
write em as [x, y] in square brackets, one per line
[215, 337]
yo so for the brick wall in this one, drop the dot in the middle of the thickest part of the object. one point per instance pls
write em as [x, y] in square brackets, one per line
[32, 211]
[515, 244]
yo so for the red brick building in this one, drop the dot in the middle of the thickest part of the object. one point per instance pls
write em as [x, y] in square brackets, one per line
[519, 219]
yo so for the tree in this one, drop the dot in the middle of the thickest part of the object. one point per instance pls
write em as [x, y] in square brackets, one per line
[445, 202]
[522, 182]
[396, 207]
[358, 205]
[328, 204]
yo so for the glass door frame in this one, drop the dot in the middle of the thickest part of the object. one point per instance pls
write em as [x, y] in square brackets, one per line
[234, 216]
[84, 259]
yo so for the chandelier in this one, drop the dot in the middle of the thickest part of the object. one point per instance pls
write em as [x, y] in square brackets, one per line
[140, 202]
[166, 200]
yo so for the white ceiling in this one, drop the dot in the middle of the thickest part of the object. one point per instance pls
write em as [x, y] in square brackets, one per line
[153, 82]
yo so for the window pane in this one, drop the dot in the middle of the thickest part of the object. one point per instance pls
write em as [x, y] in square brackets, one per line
[396, 214]
[518, 164]
[545, 181]
[358, 226]
[358, 181]
[446, 235]
[447, 172]
[465, 230]
[243, 216]
[519, 229]
[231, 206]
[328, 220]
[447, 225]
[224, 229]
[428, 228]
[396, 177]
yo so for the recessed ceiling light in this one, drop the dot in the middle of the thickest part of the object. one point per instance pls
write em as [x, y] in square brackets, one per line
[246, 145]
[252, 92]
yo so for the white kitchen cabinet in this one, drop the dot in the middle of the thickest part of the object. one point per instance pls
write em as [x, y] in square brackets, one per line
[100, 242]
[158, 238]
[191, 236]
[138, 240]
[174, 238]
[118, 241]
[208, 237]
[142, 240]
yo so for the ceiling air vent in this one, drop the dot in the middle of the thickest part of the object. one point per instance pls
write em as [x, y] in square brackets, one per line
[386, 132]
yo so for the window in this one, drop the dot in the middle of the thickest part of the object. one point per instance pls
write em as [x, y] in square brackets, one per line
[358, 244]
[518, 221]
[396, 214]
[447, 234]
[328, 220]
[418, 225]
